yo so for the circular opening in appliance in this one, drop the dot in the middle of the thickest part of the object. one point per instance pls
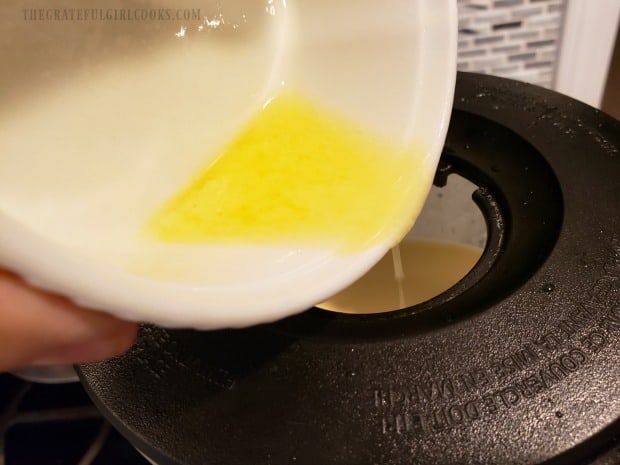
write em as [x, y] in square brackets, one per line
[444, 245]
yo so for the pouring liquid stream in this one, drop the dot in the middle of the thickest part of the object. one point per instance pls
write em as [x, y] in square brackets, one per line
[399, 275]
[413, 272]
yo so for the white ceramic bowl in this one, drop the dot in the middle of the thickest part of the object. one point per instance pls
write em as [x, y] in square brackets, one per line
[90, 145]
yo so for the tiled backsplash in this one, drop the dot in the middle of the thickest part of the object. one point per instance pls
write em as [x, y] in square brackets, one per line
[518, 39]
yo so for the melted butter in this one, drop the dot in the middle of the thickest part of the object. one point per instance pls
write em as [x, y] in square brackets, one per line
[298, 175]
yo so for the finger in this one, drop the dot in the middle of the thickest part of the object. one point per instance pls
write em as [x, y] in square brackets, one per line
[37, 327]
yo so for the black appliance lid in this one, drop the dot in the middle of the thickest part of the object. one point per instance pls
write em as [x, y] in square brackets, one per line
[518, 363]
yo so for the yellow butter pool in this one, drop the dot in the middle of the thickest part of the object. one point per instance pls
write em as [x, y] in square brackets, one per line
[297, 174]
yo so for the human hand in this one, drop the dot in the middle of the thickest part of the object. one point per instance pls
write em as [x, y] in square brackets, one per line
[38, 328]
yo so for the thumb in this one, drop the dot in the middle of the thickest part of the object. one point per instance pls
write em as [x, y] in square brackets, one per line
[40, 328]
